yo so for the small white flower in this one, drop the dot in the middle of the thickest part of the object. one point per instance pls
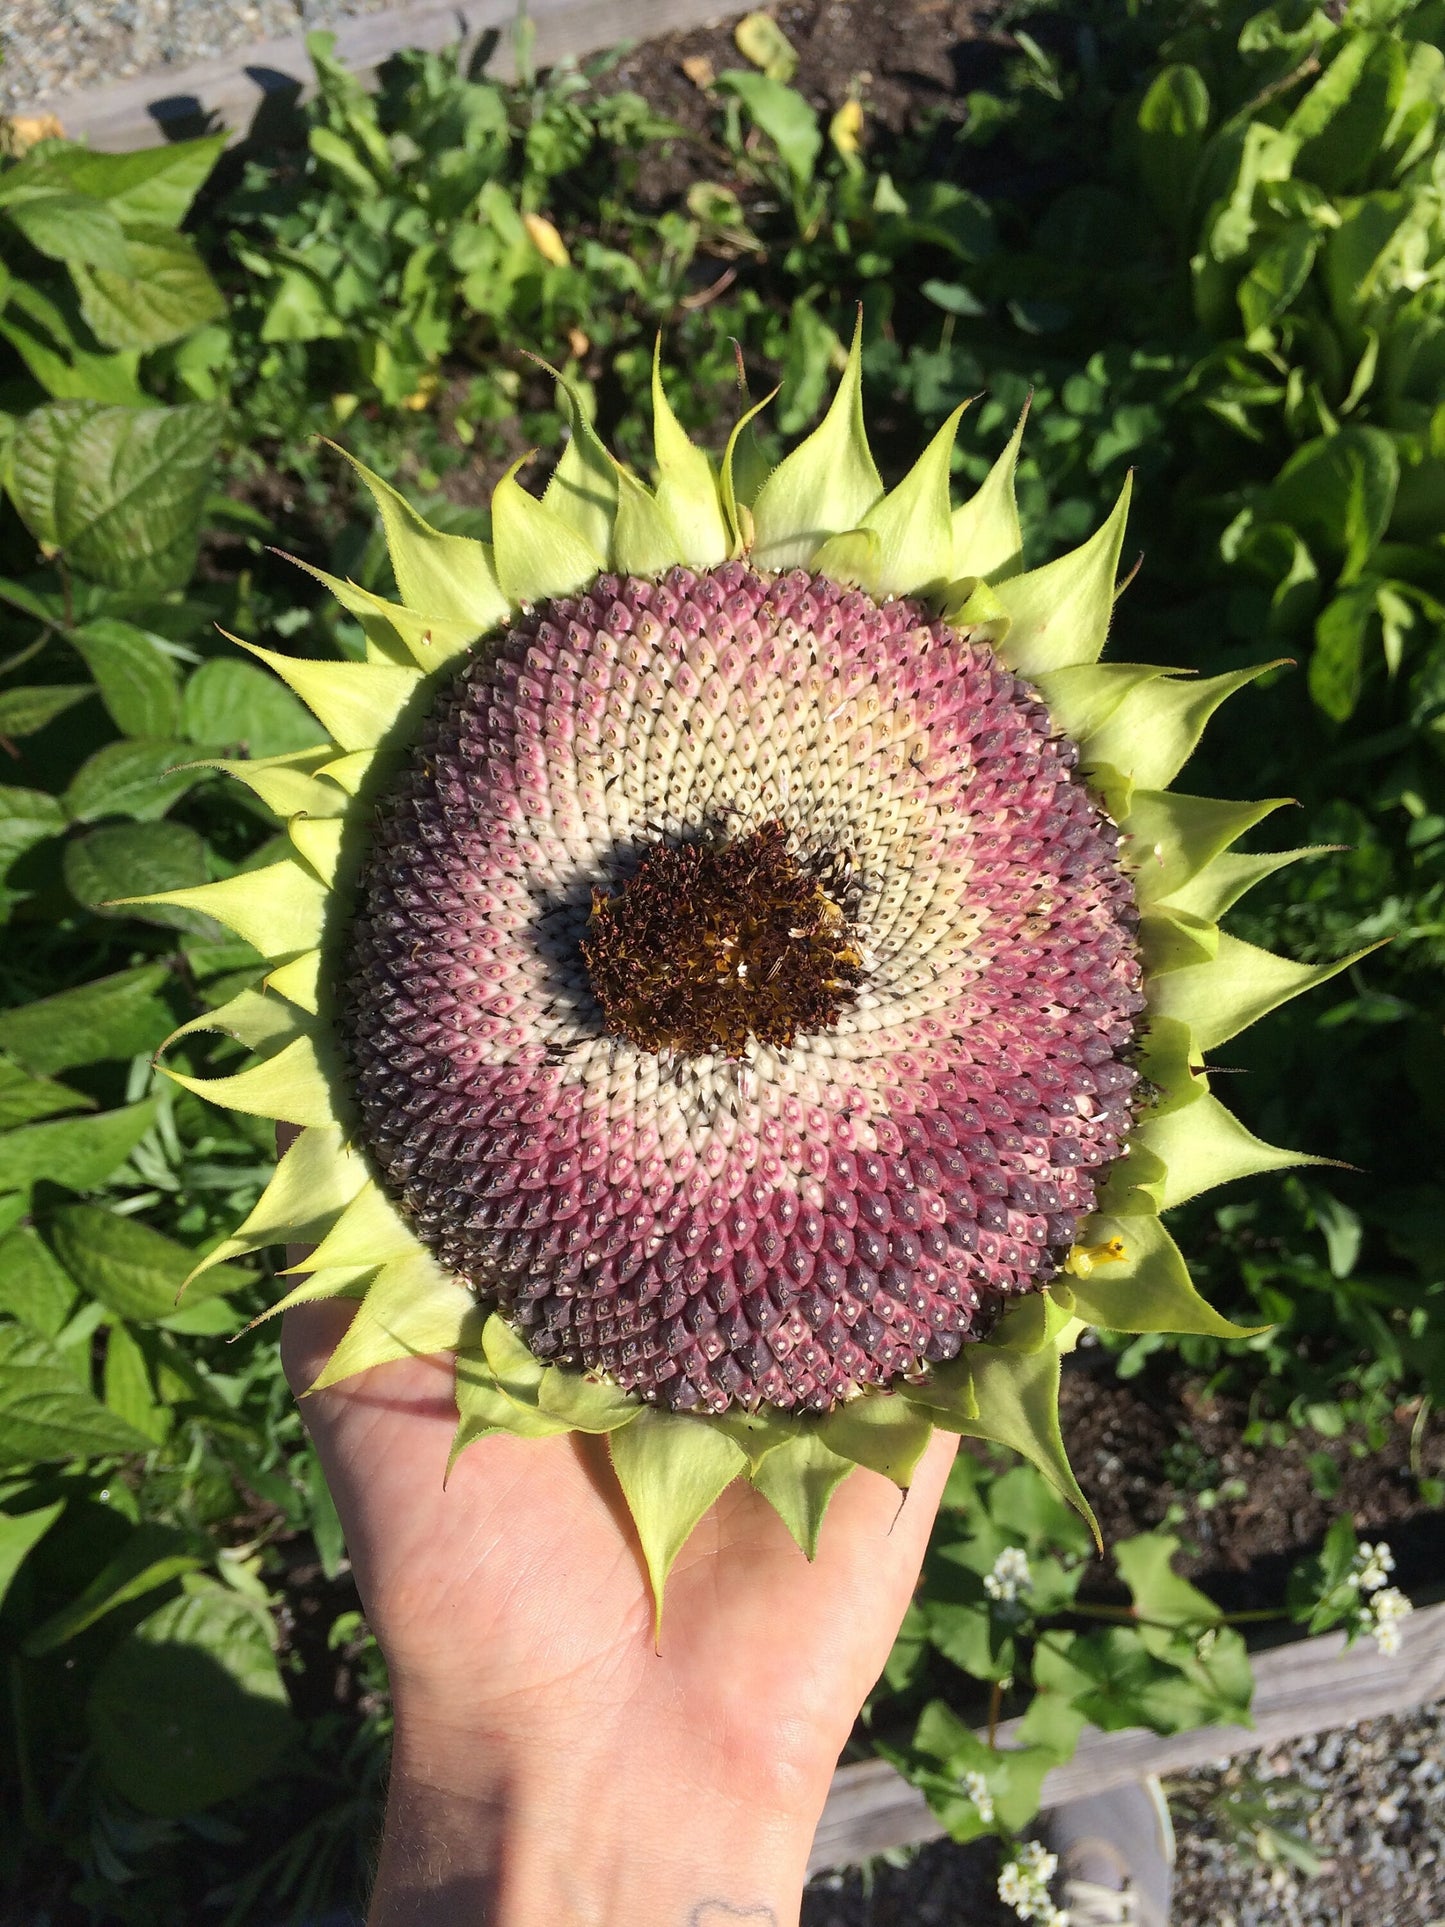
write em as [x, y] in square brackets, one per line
[1036, 1859]
[1382, 1619]
[1373, 1565]
[1058, 1918]
[1010, 1575]
[976, 1787]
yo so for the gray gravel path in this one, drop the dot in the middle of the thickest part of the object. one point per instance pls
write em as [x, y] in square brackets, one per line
[52, 47]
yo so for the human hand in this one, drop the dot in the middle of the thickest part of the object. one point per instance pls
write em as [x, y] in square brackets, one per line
[549, 1763]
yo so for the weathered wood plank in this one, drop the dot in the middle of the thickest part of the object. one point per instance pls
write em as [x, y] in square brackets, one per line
[235, 87]
[1303, 1687]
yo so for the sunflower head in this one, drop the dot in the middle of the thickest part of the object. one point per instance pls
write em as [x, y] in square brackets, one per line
[742, 976]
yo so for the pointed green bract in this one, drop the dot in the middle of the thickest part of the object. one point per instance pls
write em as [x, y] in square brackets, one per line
[1219, 887]
[430, 641]
[1241, 985]
[882, 1432]
[913, 525]
[733, 495]
[670, 1470]
[687, 491]
[411, 1310]
[1018, 1406]
[645, 540]
[1082, 697]
[369, 1231]
[828, 483]
[1167, 1059]
[299, 981]
[483, 1408]
[538, 553]
[586, 1404]
[1149, 1288]
[350, 772]
[317, 1178]
[260, 1023]
[278, 910]
[1155, 730]
[292, 1087]
[1207, 1145]
[1171, 838]
[451, 577]
[286, 784]
[357, 703]
[1171, 939]
[798, 1480]
[582, 491]
[986, 536]
[1061, 612]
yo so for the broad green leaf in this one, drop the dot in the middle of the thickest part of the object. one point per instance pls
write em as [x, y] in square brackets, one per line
[25, 712]
[987, 535]
[784, 116]
[1276, 277]
[1339, 491]
[826, 485]
[19, 1533]
[1149, 1289]
[136, 779]
[33, 1288]
[1153, 732]
[163, 292]
[798, 1479]
[234, 705]
[132, 1270]
[67, 227]
[45, 1414]
[153, 184]
[110, 1017]
[1173, 120]
[27, 818]
[1342, 121]
[106, 865]
[127, 1385]
[1060, 613]
[119, 491]
[1219, 999]
[137, 683]
[77, 1152]
[24, 1098]
[671, 1469]
[1344, 632]
[1205, 1145]
[189, 1708]
[151, 1557]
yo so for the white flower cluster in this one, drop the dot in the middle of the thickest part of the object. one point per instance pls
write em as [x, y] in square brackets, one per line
[1387, 1605]
[976, 1787]
[1024, 1885]
[1010, 1575]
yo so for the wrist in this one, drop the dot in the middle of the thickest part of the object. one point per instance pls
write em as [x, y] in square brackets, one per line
[479, 1830]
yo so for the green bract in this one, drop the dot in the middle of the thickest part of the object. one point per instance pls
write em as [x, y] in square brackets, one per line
[825, 509]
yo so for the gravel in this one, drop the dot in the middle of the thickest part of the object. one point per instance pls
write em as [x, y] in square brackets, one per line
[54, 47]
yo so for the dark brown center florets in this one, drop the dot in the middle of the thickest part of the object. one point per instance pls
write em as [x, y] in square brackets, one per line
[712, 942]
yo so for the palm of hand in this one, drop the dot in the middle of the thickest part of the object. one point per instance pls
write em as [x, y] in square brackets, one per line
[515, 1595]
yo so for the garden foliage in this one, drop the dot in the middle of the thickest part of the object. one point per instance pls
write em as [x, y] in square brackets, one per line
[1224, 267]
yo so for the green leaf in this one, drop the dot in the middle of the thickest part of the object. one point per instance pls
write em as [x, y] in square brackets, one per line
[45, 1415]
[110, 1017]
[24, 1098]
[77, 1152]
[234, 705]
[1337, 662]
[1342, 121]
[136, 860]
[135, 779]
[135, 1272]
[825, 486]
[163, 293]
[25, 712]
[33, 1288]
[1173, 120]
[1339, 492]
[128, 1388]
[189, 1708]
[137, 683]
[1060, 613]
[784, 116]
[120, 491]
[798, 1479]
[1276, 277]
[152, 1556]
[671, 1469]
[19, 1532]
[67, 227]
[154, 184]
[1149, 1289]
[27, 818]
